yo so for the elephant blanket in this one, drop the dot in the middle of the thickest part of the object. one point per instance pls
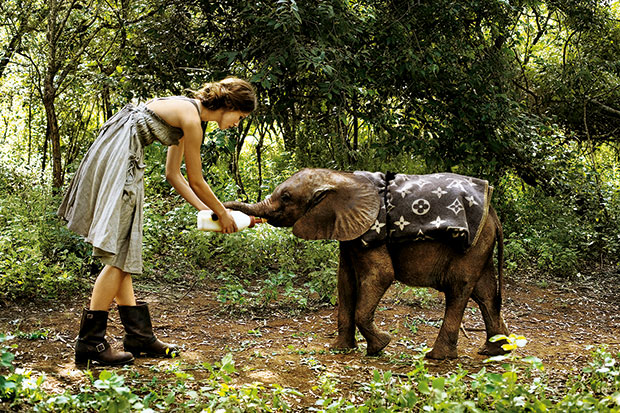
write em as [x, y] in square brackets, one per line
[443, 207]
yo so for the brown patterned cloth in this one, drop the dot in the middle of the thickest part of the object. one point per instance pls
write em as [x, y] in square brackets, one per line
[442, 207]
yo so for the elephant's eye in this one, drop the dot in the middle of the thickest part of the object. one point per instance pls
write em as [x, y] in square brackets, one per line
[286, 197]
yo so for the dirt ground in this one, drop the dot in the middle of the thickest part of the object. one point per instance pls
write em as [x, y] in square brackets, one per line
[561, 321]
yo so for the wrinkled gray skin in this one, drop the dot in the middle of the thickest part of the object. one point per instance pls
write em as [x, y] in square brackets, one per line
[326, 204]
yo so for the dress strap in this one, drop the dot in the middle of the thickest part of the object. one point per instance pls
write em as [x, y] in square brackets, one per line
[195, 104]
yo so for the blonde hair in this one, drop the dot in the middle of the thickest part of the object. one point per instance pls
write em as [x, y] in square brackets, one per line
[231, 93]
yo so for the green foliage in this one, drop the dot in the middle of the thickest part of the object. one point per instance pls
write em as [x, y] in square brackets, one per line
[519, 385]
[564, 232]
[8, 384]
[555, 245]
[41, 258]
[110, 392]
[291, 273]
[601, 374]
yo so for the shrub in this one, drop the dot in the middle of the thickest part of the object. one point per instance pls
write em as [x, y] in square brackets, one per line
[283, 266]
[542, 233]
[40, 256]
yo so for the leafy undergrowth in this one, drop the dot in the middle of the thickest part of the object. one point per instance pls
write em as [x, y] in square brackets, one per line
[519, 386]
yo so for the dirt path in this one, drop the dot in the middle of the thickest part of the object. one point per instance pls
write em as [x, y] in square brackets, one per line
[560, 321]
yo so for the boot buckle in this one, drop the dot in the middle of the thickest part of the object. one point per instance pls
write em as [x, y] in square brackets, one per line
[100, 347]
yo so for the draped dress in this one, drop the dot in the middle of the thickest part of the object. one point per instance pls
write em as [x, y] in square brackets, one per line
[104, 200]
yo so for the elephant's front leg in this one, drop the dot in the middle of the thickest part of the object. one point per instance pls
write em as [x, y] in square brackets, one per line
[347, 297]
[375, 274]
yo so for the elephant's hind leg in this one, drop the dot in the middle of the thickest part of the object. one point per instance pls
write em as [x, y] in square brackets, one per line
[347, 297]
[445, 346]
[487, 296]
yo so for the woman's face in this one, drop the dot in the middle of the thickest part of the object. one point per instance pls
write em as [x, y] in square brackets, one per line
[231, 118]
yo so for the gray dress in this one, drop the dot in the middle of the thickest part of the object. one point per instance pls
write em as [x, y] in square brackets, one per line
[104, 200]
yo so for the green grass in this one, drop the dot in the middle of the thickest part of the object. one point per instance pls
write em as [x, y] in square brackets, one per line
[519, 385]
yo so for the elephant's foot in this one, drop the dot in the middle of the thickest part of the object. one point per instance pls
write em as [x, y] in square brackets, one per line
[377, 342]
[442, 352]
[493, 349]
[343, 343]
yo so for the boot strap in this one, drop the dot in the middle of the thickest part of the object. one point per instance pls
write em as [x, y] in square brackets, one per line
[100, 347]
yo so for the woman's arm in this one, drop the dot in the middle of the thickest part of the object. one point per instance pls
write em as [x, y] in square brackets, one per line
[197, 192]
[176, 178]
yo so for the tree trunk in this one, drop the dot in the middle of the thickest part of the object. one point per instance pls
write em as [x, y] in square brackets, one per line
[52, 133]
[8, 52]
[105, 101]
[29, 126]
[288, 121]
[356, 128]
[262, 130]
[235, 159]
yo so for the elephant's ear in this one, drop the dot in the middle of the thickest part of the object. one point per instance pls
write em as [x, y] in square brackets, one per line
[342, 209]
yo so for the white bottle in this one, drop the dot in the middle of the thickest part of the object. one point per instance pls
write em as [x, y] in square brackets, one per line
[208, 220]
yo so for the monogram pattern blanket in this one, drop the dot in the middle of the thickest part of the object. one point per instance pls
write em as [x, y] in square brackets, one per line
[443, 207]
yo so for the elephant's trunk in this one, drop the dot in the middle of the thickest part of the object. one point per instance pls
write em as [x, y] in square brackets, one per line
[261, 209]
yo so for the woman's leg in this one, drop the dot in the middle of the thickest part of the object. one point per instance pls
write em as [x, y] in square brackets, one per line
[92, 345]
[125, 294]
[112, 283]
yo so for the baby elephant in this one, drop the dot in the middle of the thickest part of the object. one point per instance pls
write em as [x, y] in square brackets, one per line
[434, 231]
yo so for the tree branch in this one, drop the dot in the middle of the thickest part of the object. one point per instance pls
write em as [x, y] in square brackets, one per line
[606, 108]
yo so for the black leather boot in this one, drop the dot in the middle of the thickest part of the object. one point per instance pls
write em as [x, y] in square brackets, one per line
[91, 343]
[139, 337]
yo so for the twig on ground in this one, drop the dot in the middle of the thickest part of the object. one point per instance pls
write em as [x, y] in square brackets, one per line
[464, 332]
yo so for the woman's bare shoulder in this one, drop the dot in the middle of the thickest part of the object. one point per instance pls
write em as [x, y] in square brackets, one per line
[177, 112]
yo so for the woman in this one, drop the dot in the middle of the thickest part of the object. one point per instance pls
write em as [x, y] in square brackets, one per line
[104, 204]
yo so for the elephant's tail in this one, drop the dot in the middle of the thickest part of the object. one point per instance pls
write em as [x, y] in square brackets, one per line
[499, 234]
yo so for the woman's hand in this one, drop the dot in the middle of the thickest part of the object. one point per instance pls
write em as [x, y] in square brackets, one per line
[227, 222]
